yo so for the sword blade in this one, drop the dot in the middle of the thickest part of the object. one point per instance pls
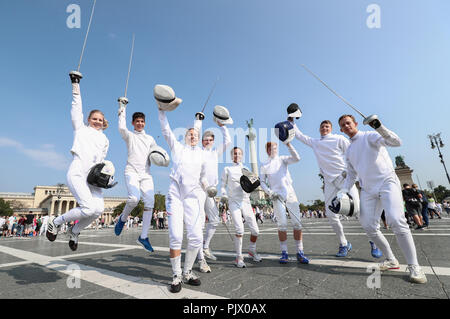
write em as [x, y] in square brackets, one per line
[129, 66]
[333, 91]
[210, 93]
[85, 38]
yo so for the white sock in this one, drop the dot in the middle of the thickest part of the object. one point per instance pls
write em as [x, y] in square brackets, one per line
[146, 222]
[283, 246]
[126, 212]
[210, 231]
[176, 265]
[238, 245]
[189, 259]
[252, 246]
[200, 254]
[299, 244]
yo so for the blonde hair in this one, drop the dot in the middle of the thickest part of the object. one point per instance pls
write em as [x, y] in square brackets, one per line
[105, 122]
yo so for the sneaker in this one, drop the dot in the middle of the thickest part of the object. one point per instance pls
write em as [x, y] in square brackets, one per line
[389, 264]
[302, 258]
[52, 229]
[416, 274]
[145, 243]
[203, 265]
[73, 241]
[419, 227]
[208, 254]
[175, 286]
[119, 226]
[375, 251]
[239, 262]
[284, 259]
[191, 279]
[252, 254]
[343, 250]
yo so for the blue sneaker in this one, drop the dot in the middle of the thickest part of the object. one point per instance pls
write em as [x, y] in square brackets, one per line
[119, 226]
[343, 250]
[284, 257]
[376, 253]
[145, 243]
[302, 258]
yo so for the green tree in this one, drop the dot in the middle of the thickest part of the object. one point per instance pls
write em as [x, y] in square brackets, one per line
[5, 208]
[441, 193]
[160, 202]
[137, 211]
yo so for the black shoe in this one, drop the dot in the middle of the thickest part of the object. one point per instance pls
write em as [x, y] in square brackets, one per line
[73, 242]
[176, 284]
[191, 279]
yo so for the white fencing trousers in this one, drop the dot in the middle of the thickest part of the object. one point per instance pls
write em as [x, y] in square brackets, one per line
[389, 198]
[243, 209]
[185, 206]
[293, 210]
[138, 184]
[89, 198]
[213, 220]
[330, 192]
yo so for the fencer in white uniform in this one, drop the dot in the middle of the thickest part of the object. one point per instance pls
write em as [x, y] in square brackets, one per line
[368, 159]
[90, 147]
[239, 206]
[212, 156]
[184, 201]
[330, 154]
[276, 181]
[137, 172]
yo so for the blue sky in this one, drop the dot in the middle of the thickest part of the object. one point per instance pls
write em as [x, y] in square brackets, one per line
[399, 71]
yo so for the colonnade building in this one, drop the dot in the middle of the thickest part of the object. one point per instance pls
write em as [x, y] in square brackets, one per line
[53, 200]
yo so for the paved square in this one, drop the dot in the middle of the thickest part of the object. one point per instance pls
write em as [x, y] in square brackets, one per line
[107, 266]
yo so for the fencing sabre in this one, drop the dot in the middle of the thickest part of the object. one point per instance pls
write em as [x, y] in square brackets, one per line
[366, 119]
[201, 115]
[231, 237]
[85, 38]
[123, 100]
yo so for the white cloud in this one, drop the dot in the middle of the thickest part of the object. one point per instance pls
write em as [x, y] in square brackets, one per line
[44, 156]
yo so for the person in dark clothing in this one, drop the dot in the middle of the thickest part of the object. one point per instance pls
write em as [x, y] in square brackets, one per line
[412, 204]
[424, 203]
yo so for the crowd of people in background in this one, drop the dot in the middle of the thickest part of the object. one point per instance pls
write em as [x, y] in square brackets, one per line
[419, 209]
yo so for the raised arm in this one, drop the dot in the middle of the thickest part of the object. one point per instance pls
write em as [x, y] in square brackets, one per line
[76, 112]
[305, 139]
[293, 158]
[166, 130]
[384, 137]
[226, 140]
[122, 119]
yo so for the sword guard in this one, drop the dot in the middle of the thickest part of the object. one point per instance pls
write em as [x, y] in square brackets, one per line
[199, 116]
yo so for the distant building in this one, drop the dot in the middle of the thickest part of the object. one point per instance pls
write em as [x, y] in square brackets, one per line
[53, 200]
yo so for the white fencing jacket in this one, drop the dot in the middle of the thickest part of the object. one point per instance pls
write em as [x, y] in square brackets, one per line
[89, 145]
[231, 185]
[330, 153]
[275, 176]
[188, 162]
[138, 146]
[368, 158]
[212, 157]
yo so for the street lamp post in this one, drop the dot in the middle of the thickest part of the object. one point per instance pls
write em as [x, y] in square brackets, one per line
[436, 141]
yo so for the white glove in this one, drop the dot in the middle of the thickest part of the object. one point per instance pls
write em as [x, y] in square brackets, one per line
[341, 193]
[123, 101]
[211, 191]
